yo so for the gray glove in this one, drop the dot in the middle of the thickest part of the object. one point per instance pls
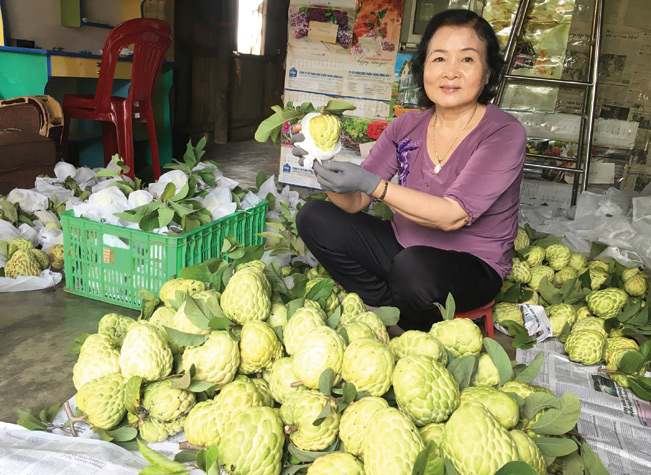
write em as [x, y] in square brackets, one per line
[345, 177]
[297, 151]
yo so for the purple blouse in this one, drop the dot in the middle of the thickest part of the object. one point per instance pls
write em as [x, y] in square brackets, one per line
[483, 175]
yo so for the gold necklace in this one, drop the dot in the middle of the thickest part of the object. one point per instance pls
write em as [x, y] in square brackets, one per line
[437, 167]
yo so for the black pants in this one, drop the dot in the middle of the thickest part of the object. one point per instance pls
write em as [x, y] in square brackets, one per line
[361, 253]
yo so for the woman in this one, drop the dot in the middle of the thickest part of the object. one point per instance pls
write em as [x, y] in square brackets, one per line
[459, 165]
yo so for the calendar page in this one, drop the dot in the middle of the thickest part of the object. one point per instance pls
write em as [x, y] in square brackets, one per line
[357, 67]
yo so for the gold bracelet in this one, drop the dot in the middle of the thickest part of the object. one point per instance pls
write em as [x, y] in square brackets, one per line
[384, 192]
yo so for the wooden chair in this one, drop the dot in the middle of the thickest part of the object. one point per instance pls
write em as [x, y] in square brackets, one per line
[149, 38]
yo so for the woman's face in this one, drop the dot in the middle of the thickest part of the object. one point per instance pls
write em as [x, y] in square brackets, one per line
[456, 69]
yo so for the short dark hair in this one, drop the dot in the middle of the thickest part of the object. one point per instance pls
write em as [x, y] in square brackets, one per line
[482, 28]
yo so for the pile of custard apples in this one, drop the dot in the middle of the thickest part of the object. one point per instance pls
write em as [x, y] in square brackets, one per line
[316, 386]
[594, 307]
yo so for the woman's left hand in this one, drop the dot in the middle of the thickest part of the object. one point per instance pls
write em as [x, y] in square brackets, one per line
[345, 177]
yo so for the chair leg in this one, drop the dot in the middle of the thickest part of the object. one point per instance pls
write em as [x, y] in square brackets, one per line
[153, 142]
[109, 141]
[125, 141]
[488, 323]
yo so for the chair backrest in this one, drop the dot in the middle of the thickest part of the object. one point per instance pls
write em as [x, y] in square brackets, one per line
[150, 39]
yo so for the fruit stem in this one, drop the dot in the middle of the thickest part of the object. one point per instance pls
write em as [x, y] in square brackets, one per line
[71, 418]
[185, 445]
[323, 108]
[290, 429]
[296, 384]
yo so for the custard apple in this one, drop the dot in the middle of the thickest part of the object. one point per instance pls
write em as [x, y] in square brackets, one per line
[301, 410]
[433, 432]
[320, 349]
[415, 342]
[503, 311]
[351, 305]
[501, 405]
[145, 353]
[336, 463]
[216, 361]
[259, 347]
[534, 255]
[368, 364]
[520, 272]
[521, 240]
[168, 290]
[391, 443]
[300, 324]
[102, 400]
[252, 443]
[425, 390]
[465, 437]
[486, 374]
[246, 296]
[607, 303]
[116, 326]
[557, 256]
[22, 263]
[98, 357]
[281, 379]
[528, 451]
[538, 273]
[354, 420]
[459, 336]
[585, 347]
[617, 343]
[637, 285]
[55, 253]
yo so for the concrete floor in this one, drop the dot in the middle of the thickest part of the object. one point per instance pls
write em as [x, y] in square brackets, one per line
[38, 327]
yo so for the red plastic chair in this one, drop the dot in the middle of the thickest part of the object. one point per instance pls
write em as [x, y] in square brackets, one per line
[150, 39]
[485, 311]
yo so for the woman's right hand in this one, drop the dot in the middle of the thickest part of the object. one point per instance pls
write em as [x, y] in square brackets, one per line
[297, 136]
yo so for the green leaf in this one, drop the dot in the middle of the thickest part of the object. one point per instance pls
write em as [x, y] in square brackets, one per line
[641, 387]
[196, 314]
[448, 311]
[325, 412]
[52, 412]
[220, 323]
[631, 362]
[596, 249]
[349, 392]
[310, 456]
[326, 380]
[168, 192]
[159, 460]
[645, 350]
[558, 421]
[155, 470]
[271, 125]
[573, 464]
[516, 468]
[149, 222]
[449, 468]
[123, 434]
[500, 359]
[334, 318]
[536, 402]
[428, 462]
[27, 420]
[184, 381]
[185, 339]
[530, 373]
[79, 341]
[592, 462]
[132, 394]
[555, 446]
[186, 456]
[388, 315]
[336, 107]
[212, 456]
[462, 370]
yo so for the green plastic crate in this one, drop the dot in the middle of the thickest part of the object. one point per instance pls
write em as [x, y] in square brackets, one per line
[112, 263]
